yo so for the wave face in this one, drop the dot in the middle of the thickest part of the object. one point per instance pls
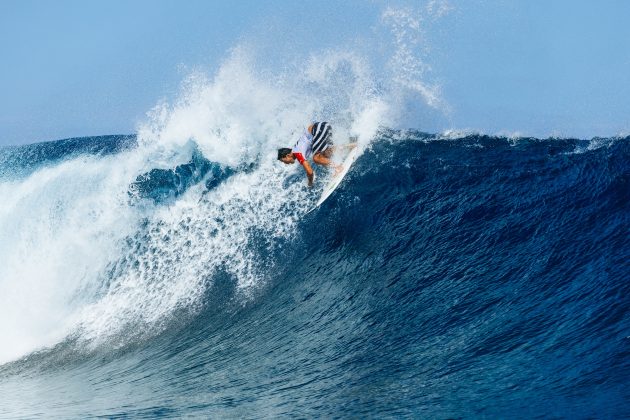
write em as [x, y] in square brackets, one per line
[448, 276]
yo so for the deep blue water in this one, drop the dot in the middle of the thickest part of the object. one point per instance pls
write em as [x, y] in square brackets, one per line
[474, 277]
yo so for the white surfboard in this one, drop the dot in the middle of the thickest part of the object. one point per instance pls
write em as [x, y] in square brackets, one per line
[336, 180]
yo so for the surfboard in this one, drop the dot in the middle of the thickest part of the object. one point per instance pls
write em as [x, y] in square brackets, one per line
[336, 180]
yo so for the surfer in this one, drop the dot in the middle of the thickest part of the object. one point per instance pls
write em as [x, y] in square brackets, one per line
[315, 141]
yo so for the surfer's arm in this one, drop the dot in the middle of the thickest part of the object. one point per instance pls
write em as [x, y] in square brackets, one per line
[309, 172]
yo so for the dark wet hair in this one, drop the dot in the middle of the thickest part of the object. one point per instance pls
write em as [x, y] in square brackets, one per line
[282, 152]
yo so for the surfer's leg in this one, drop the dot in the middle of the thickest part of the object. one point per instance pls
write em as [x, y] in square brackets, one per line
[323, 158]
[343, 147]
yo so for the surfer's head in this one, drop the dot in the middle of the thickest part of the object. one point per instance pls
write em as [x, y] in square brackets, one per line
[285, 155]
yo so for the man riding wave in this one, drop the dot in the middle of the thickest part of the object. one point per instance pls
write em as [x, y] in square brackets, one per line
[315, 142]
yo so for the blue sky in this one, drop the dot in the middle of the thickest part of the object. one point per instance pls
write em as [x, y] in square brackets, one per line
[80, 68]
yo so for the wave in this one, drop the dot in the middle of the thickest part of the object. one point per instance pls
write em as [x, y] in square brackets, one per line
[175, 272]
[441, 263]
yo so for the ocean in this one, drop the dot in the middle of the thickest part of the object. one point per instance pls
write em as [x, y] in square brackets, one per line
[455, 275]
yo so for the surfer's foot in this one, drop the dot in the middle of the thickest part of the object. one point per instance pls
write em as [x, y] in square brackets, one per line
[338, 170]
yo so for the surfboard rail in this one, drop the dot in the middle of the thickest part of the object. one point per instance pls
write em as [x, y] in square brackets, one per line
[332, 185]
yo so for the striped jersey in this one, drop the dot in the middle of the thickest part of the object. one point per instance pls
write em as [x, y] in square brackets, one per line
[314, 141]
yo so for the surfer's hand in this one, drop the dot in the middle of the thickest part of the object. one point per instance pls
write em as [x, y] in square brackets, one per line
[310, 175]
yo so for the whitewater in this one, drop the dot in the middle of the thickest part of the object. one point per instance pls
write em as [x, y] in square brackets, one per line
[174, 272]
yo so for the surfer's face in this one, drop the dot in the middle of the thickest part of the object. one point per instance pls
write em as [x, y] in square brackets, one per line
[288, 159]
